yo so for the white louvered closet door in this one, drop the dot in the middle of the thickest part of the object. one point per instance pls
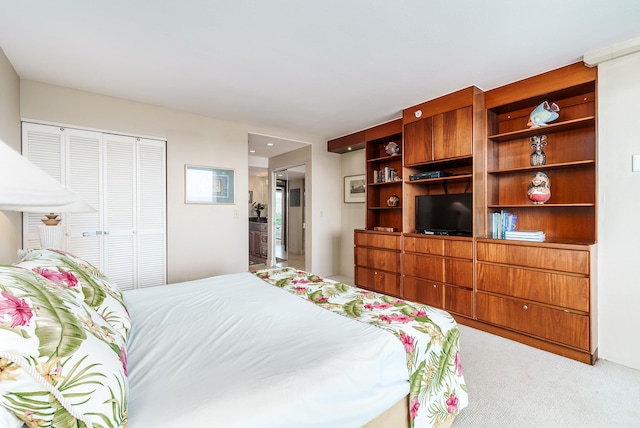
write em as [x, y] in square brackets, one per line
[44, 146]
[120, 247]
[151, 234]
[84, 176]
[124, 179]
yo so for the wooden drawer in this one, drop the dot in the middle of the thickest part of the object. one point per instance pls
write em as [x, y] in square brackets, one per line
[379, 240]
[425, 267]
[566, 260]
[568, 291]
[423, 291]
[460, 249]
[551, 324]
[382, 282]
[439, 247]
[440, 269]
[458, 300]
[377, 259]
[458, 272]
[413, 244]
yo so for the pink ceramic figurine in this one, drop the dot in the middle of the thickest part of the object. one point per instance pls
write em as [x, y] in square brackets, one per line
[539, 190]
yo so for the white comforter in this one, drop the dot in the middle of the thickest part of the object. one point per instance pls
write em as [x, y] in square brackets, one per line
[234, 351]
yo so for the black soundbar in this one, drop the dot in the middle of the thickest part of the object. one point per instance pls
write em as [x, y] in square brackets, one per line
[429, 174]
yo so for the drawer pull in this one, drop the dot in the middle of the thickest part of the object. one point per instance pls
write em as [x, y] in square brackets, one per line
[435, 286]
[525, 307]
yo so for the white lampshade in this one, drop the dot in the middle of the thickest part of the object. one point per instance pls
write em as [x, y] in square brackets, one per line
[24, 185]
[78, 206]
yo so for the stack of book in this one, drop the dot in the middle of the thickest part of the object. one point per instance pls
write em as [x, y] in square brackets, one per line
[385, 175]
[525, 235]
[502, 222]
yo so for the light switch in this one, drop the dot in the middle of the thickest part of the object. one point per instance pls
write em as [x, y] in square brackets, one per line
[635, 163]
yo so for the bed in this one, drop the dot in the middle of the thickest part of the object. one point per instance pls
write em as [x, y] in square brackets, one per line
[271, 348]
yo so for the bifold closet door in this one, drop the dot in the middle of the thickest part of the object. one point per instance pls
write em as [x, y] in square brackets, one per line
[44, 146]
[151, 233]
[83, 172]
[120, 247]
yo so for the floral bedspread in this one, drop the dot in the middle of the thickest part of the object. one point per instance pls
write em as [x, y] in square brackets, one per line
[437, 391]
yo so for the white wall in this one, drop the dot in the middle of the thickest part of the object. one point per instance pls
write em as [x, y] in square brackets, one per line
[10, 222]
[202, 240]
[353, 214]
[325, 221]
[619, 211]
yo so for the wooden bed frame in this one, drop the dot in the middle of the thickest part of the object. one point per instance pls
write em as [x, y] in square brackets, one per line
[397, 416]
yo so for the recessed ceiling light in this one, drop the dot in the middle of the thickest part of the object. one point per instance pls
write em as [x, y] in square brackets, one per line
[252, 151]
[269, 144]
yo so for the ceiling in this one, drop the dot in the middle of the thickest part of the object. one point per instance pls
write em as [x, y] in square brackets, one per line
[322, 68]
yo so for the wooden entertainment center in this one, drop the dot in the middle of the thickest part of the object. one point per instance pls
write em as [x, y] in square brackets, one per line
[539, 293]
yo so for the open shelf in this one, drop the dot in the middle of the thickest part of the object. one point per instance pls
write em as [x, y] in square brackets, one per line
[570, 151]
[552, 166]
[583, 122]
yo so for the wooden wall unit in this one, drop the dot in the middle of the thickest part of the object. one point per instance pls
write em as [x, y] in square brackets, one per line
[543, 291]
[378, 261]
[379, 213]
[539, 293]
[543, 294]
[570, 214]
[439, 272]
[445, 134]
[378, 253]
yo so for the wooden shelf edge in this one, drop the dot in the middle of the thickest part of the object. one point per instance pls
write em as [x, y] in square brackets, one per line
[568, 125]
[380, 183]
[555, 242]
[539, 206]
[453, 178]
[385, 158]
[576, 164]
[398, 233]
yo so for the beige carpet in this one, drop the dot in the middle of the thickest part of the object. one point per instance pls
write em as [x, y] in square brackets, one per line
[514, 385]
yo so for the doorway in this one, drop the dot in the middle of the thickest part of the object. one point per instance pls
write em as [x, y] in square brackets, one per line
[284, 240]
[288, 245]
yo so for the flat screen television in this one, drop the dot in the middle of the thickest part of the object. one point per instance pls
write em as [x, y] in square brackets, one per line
[448, 214]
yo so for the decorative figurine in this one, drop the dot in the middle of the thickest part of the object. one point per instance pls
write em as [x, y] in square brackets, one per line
[543, 114]
[539, 190]
[393, 201]
[538, 156]
[392, 149]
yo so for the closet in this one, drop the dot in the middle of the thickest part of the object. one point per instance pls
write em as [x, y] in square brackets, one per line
[124, 179]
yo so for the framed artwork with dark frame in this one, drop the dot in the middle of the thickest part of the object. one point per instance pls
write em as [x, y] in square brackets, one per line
[354, 188]
[208, 185]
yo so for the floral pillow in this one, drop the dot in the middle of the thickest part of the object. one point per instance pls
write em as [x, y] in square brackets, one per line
[86, 282]
[61, 364]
